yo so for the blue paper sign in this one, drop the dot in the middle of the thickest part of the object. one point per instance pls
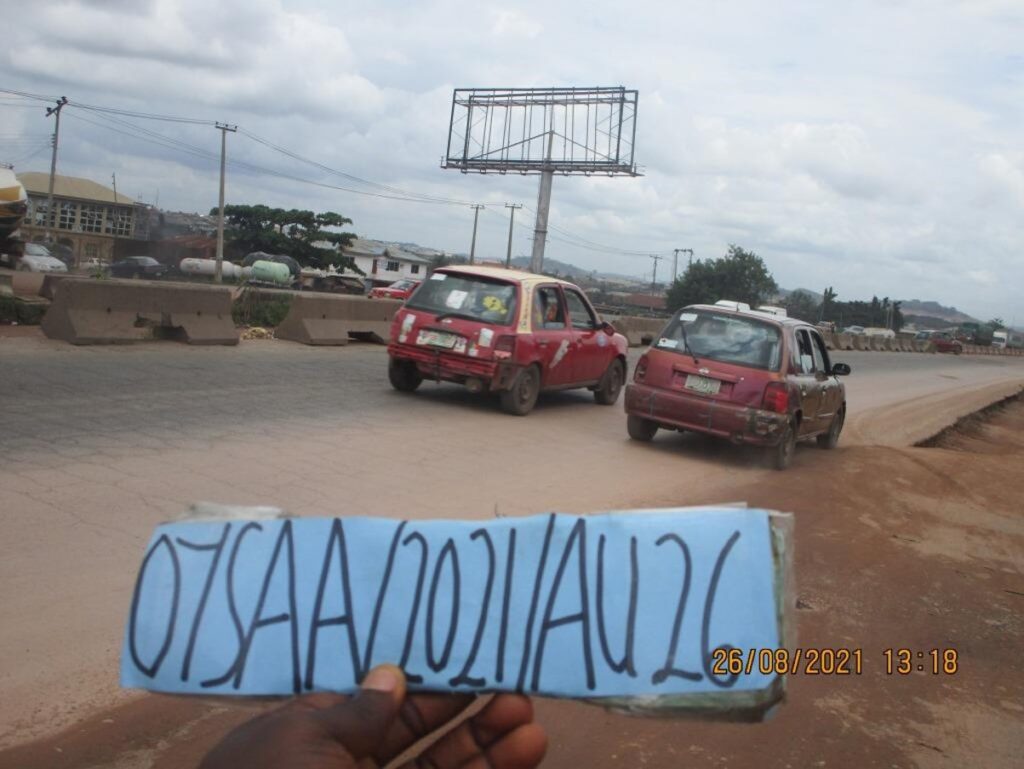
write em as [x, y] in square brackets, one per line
[613, 605]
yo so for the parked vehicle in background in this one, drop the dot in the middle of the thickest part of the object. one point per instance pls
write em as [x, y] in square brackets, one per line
[944, 341]
[1007, 339]
[888, 333]
[400, 289]
[853, 330]
[37, 258]
[744, 376]
[138, 267]
[923, 336]
[508, 332]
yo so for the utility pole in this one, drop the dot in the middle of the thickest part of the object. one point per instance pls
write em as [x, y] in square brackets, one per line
[50, 218]
[675, 260]
[511, 225]
[472, 244]
[218, 271]
[540, 230]
[113, 178]
[654, 275]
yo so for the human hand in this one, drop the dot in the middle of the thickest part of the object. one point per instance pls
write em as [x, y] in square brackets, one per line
[330, 731]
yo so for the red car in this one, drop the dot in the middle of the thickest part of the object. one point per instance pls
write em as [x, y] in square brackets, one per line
[400, 289]
[747, 376]
[944, 341]
[508, 332]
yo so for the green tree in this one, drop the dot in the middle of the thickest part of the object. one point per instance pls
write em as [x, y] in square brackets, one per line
[827, 299]
[800, 304]
[739, 275]
[298, 234]
[997, 324]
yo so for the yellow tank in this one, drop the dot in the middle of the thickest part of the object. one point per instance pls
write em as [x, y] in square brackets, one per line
[13, 203]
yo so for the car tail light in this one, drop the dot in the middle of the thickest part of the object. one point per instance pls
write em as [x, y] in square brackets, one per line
[505, 346]
[641, 369]
[776, 397]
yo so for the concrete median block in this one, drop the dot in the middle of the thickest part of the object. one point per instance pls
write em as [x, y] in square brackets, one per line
[844, 341]
[639, 331]
[48, 287]
[6, 285]
[330, 319]
[118, 311]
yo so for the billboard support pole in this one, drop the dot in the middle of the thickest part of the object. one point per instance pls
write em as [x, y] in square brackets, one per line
[540, 230]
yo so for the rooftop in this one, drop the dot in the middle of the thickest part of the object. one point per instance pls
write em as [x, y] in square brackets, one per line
[71, 187]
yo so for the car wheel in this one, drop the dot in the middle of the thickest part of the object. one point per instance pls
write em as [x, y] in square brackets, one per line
[782, 454]
[640, 429]
[521, 397]
[608, 390]
[403, 375]
[831, 438]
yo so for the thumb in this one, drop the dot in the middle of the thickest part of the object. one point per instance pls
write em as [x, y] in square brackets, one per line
[361, 723]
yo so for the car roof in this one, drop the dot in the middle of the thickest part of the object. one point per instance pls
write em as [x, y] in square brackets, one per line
[500, 273]
[778, 320]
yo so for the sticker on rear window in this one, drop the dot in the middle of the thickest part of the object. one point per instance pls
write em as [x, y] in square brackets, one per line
[438, 276]
[485, 337]
[455, 299]
[687, 317]
[670, 343]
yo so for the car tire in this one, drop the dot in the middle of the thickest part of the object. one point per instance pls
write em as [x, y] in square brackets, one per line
[782, 453]
[640, 429]
[607, 392]
[830, 439]
[521, 397]
[403, 375]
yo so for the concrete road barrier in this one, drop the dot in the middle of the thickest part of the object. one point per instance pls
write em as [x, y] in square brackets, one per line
[48, 287]
[860, 342]
[876, 343]
[830, 340]
[116, 311]
[27, 283]
[6, 284]
[844, 341]
[639, 331]
[329, 319]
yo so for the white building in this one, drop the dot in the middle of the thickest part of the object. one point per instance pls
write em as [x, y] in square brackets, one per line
[385, 263]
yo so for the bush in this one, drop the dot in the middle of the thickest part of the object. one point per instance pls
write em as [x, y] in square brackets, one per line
[256, 308]
[16, 310]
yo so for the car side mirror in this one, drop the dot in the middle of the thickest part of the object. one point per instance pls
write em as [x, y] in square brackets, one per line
[607, 328]
[840, 369]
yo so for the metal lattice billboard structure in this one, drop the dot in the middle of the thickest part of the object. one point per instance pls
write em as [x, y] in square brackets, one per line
[532, 130]
[543, 131]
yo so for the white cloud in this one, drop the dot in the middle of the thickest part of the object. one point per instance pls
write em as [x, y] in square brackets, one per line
[873, 147]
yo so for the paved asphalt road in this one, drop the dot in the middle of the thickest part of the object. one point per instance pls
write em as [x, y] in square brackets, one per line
[99, 444]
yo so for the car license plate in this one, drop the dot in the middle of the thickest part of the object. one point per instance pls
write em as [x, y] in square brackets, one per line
[703, 384]
[436, 339]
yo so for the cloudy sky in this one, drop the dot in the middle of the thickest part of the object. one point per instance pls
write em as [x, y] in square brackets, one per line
[874, 147]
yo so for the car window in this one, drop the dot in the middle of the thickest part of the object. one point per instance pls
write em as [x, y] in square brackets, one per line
[548, 311]
[803, 360]
[736, 339]
[469, 296]
[579, 312]
[821, 361]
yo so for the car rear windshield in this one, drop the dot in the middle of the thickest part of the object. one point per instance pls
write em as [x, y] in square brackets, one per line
[466, 296]
[724, 337]
[403, 284]
[34, 249]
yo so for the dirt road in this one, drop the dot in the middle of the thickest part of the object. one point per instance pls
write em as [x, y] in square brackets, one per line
[77, 512]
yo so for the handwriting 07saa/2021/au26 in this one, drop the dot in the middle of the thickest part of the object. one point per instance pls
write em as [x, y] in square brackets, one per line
[547, 604]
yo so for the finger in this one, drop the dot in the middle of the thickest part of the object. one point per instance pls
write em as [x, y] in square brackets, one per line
[420, 715]
[522, 748]
[318, 701]
[360, 723]
[475, 738]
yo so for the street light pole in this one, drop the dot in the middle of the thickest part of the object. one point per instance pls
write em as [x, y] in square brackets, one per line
[50, 218]
[511, 225]
[218, 271]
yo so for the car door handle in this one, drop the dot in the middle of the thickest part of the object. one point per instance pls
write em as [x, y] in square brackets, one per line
[542, 343]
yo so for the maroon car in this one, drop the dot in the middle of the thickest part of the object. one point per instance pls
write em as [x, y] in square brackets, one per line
[747, 376]
[944, 341]
[400, 289]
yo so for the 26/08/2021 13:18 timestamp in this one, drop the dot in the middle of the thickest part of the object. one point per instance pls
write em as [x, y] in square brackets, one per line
[829, 661]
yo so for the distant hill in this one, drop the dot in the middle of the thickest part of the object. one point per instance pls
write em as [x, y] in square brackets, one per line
[567, 268]
[934, 310]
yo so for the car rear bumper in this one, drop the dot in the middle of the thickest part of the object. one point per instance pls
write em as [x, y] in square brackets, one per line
[438, 364]
[686, 411]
